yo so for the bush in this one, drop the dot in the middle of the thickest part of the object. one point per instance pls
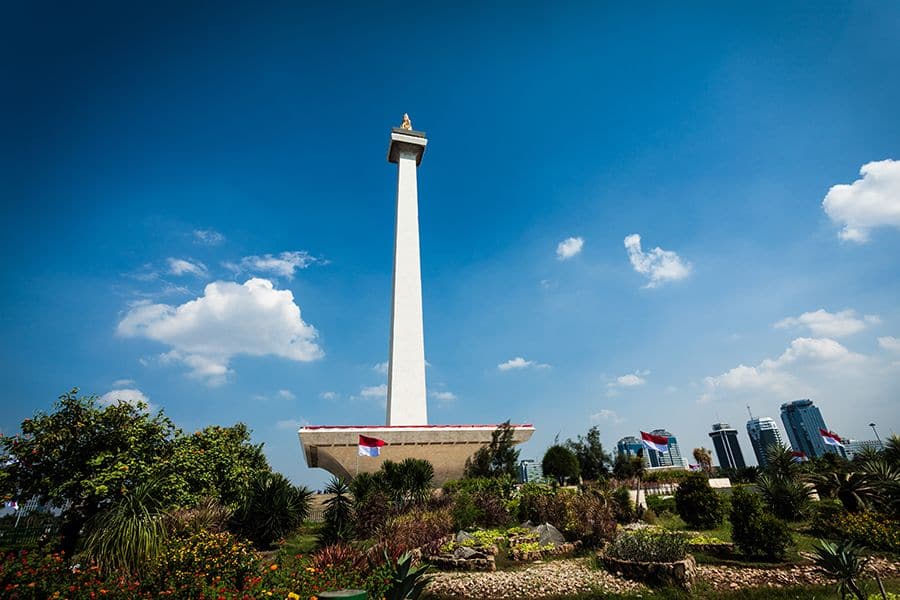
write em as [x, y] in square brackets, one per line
[755, 532]
[787, 498]
[589, 519]
[824, 517]
[541, 504]
[649, 545]
[661, 504]
[698, 504]
[870, 529]
[413, 530]
[272, 508]
[371, 512]
[191, 563]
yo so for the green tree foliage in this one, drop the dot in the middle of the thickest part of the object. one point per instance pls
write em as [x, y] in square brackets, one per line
[272, 508]
[497, 458]
[592, 459]
[755, 532]
[698, 504]
[561, 464]
[626, 466]
[84, 455]
[338, 513]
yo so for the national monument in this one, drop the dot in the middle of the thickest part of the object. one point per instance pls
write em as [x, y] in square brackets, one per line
[406, 432]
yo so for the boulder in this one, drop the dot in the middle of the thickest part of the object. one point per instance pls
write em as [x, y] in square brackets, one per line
[548, 534]
[462, 536]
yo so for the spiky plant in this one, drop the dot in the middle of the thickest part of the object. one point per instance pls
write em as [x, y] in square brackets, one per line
[130, 533]
[338, 513]
[272, 507]
[854, 490]
[406, 581]
[787, 498]
[842, 562]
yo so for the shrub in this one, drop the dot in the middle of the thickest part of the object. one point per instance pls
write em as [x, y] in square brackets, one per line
[649, 545]
[190, 563]
[661, 504]
[339, 554]
[371, 512]
[207, 515]
[869, 529]
[755, 532]
[786, 497]
[338, 513]
[272, 508]
[413, 530]
[623, 507]
[698, 504]
[824, 517]
[542, 504]
[588, 518]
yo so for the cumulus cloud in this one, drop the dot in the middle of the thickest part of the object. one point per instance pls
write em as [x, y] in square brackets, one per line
[183, 266]
[658, 265]
[569, 247]
[281, 265]
[443, 397]
[328, 396]
[781, 376]
[123, 383]
[128, 395]
[285, 394]
[822, 323]
[605, 414]
[520, 363]
[889, 343]
[291, 424]
[374, 391]
[381, 367]
[229, 319]
[629, 380]
[870, 202]
[208, 237]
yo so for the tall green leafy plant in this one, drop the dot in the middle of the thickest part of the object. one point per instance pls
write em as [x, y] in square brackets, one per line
[130, 534]
[272, 508]
[841, 561]
[698, 504]
[407, 582]
[497, 458]
[338, 513]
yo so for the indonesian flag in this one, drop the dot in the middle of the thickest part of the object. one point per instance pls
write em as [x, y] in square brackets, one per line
[369, 446]
[660, 443]
[13, 505]
[799, 457]
[831, 438]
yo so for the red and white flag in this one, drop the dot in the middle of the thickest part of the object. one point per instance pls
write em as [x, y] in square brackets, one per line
[831, 438]
[369, 446]
[799, 457]
[660, 443]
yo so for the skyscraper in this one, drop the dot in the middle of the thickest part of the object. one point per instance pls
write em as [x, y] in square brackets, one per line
[672, 458]
[802, 421]
[728, 450]
[629, 446]
[763, 432]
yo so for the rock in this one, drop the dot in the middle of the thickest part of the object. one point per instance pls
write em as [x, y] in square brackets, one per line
[548, 534]
[462, 536]
[465, 553]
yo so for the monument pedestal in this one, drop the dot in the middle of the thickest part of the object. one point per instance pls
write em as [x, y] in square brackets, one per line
[446, 447]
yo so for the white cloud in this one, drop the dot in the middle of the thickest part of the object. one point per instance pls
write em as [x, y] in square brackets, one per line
[443, 397]
[890, 343]
[569, 247]
[281, 265]
[182, 266]
[374, 391]
[825, 324]
[128, 395]
[292, 424]
[286, 395]
[328, 396]
[122, 383]
[381, 367]
[520, 363]
[658, 265]
[629, 380]
[605, 414]
[229, 319]
[208, 237]
[867, 203]
[782, 376]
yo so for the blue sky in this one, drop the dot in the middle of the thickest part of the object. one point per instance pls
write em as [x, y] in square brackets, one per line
[151, 152]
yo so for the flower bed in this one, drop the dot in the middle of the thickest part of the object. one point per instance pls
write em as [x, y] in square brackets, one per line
[710, 545]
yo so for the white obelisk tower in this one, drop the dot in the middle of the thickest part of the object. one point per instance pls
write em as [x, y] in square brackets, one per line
[406, 364]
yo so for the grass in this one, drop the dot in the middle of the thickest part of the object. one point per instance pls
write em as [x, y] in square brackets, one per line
[304, 540]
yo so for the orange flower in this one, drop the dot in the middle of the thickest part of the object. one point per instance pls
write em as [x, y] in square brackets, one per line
[273, 567]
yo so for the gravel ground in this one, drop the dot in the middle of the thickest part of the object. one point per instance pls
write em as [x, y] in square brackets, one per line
[538, 580]
[578, 575]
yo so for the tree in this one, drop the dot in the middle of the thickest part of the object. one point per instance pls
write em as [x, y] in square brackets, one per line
[697, 503]
[592, 459]
[627, 466]
[338, 513]
[704, 459]
[84, 455]
[561, 464]
[497, 458]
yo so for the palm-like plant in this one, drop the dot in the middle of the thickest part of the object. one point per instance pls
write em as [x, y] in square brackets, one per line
[842, 562]
[130, 533]
[786, 498]
[885, 481]
[272, 508]
[406, 582]
[854, 490]
[417, 476]
[892, 450]
[780, 462]
[338, 513]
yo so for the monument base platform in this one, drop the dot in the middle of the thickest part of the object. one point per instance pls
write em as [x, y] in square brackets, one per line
[446, 447]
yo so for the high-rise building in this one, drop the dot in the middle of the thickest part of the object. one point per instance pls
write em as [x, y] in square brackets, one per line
[629, 446]
[763, 432]
[672, 458]
[802, 421]
[530, 470]
[728, 450]
[854, 447]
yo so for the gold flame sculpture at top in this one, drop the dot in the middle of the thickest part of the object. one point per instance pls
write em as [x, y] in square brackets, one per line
[406, 124]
